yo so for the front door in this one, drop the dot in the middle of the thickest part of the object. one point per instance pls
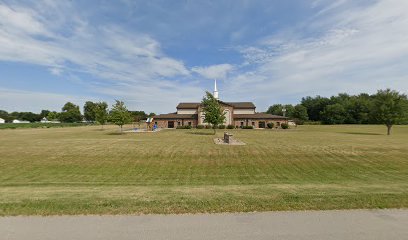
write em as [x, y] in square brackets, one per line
[170, 124]
[261, 124]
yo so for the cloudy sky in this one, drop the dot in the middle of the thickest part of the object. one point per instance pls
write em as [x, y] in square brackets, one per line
[154, 54]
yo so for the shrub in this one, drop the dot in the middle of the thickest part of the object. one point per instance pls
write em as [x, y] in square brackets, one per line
[230, 126]
[208, 126]
[247, 127]
[270, 125]
[200, 126]
[184, 127]
[221, 126]
[284, 126]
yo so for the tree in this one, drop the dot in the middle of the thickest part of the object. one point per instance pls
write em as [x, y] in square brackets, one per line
[315, 106]
[277, 109]
[53, 116]
[44, 113]
[212, 110]
[300, 114]
[70, 113]
[390, 108]
[90, 111]
[119, 114]
[101, 113]
[138, 115]
[334, 114]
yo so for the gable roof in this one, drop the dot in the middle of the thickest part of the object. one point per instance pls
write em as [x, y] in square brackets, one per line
[176, 116]
[238, 105]
[258, 116]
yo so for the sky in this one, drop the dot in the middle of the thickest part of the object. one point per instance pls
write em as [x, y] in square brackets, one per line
[155, 54]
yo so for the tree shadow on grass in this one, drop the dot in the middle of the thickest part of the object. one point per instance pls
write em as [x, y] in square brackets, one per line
[362, 133]
[201, 133]
[115, 133]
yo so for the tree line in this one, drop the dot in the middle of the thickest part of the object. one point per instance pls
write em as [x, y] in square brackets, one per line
[387, 107]
[70, 113]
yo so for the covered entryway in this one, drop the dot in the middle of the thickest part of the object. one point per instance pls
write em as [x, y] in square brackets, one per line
[170, 124]
[261, 124]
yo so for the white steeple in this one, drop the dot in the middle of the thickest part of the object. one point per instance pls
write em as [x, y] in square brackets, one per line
[215, 94]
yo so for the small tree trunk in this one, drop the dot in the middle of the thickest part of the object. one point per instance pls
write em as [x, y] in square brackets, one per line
[389, 129]
[121, 129]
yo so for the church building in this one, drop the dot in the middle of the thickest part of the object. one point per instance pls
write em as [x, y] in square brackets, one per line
[238, 114]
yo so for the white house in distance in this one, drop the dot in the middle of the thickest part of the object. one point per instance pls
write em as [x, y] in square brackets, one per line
[20, 121]
[2, 120]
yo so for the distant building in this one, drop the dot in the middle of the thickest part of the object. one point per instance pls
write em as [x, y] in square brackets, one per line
[2, 120]
[20, 121]
[238, 114]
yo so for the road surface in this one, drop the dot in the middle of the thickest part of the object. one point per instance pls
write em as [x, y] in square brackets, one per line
[354, 224]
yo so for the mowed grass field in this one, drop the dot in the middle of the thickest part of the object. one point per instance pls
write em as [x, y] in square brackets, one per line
[84, 170]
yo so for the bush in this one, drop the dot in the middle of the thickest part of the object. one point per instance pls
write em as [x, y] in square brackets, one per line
[270, 125]
[184, 127]
[284, 126]
[247, 127]
[230, 126]
[200, 126]
[208, 126]
[221, 126]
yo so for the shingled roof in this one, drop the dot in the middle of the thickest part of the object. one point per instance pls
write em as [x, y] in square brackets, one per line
[258, 116]
[237, 105]
[176, 116]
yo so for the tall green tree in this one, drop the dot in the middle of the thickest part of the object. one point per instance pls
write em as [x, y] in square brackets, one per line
[101, 113]
[277, 109]
[315, 106]
[70, 113]
[90, 111]
[390, 108]
[212, 110]
[53, 116]
[119, 115]
[334, 114]
[300, 114]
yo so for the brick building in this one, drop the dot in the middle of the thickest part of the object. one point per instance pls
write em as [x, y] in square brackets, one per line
[238, 114]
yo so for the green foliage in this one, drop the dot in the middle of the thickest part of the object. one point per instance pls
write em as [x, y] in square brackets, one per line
[119, 115]
[70, 113]
[230, 126]
[200, 126]
[90, 111]
[334, 114]
[300, 114]
[284, 126]
[390, 108]
[315, 106]
[101, 113]
[270, 125]
[277, 109]
[247, 127]
[138, 115]
[184, 127]
[221, 126]
[212, 110]
[53, 116]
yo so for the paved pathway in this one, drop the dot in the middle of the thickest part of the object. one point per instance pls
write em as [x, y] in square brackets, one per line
[357, 224]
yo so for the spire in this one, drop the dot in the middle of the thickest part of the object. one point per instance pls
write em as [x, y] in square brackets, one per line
[215, 89]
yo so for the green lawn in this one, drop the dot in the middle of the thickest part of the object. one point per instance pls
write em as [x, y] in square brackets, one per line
[84, 170]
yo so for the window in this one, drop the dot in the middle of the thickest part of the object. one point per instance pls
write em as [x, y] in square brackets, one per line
[242, 124]
[178, 123]
[253, 124]
[189, 123]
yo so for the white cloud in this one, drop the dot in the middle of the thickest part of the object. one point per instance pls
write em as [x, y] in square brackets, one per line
[12, 100]
[215, 71]
[360, 49]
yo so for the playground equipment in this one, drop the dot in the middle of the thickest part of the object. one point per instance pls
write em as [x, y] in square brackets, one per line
[150, 126]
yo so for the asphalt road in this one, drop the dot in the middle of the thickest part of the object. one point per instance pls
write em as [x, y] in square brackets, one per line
[356, 224]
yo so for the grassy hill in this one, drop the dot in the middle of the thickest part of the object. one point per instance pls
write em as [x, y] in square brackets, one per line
[84, 170]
